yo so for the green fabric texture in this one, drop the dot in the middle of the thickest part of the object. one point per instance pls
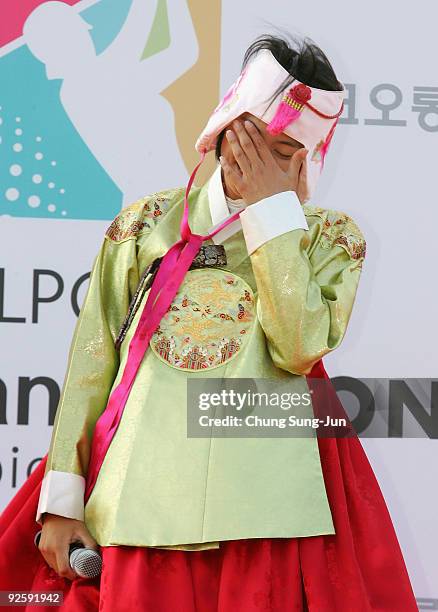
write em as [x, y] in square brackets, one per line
[157, 487]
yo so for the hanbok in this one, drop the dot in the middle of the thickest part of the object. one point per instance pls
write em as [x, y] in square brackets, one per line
[213, 524]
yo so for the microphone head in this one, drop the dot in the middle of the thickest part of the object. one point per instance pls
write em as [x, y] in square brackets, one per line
[86, 562]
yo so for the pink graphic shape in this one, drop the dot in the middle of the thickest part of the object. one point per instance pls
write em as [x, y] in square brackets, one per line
[14, 14]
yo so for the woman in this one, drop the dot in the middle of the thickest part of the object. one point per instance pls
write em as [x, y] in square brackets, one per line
[203, 522]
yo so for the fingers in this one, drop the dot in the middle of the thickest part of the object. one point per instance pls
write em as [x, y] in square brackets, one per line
[263, 152]
[63, 557]
[57, 535]
[231, 175]
[239, 154]
[246, 141]
[46, 551]
[296, 161]
[49, 558]
[302, 189]
[57, 558]
[63, 562]
[88, 541]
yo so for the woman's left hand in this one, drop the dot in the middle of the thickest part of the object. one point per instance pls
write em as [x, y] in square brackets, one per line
[256, 174]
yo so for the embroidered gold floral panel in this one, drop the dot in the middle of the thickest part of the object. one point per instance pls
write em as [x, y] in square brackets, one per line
[208, 321]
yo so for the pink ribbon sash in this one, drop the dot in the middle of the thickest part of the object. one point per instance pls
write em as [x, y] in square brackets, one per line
[171, 272]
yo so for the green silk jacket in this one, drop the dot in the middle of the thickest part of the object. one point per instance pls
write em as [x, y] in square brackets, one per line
[157, 487]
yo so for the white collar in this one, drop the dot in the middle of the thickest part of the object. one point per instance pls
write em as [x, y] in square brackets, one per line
[219, 209]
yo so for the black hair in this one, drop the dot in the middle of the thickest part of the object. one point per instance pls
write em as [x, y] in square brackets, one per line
[302, 58]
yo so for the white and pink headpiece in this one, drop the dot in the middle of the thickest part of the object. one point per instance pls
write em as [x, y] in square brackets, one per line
[305, 113]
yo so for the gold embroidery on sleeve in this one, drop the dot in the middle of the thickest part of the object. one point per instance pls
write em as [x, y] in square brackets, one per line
[340, 229]
[129, 222]
[143, 213]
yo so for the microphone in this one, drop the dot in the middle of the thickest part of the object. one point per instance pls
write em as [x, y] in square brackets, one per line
[86, 562]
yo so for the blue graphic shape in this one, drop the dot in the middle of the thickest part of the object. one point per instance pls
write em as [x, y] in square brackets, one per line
[89, 193]
[47, 171]
[107, 18]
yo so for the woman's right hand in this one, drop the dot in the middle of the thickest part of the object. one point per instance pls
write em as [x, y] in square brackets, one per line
[57, 533]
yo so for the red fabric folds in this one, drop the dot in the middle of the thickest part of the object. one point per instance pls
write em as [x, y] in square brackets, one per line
[360, 568]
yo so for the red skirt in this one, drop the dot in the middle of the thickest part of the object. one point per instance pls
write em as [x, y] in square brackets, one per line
[360, 568]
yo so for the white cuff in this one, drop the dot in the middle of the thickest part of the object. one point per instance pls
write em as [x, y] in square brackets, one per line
[62, 493]
[271, 217]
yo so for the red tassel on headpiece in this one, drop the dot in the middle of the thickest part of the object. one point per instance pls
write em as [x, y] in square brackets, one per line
[289, 108]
